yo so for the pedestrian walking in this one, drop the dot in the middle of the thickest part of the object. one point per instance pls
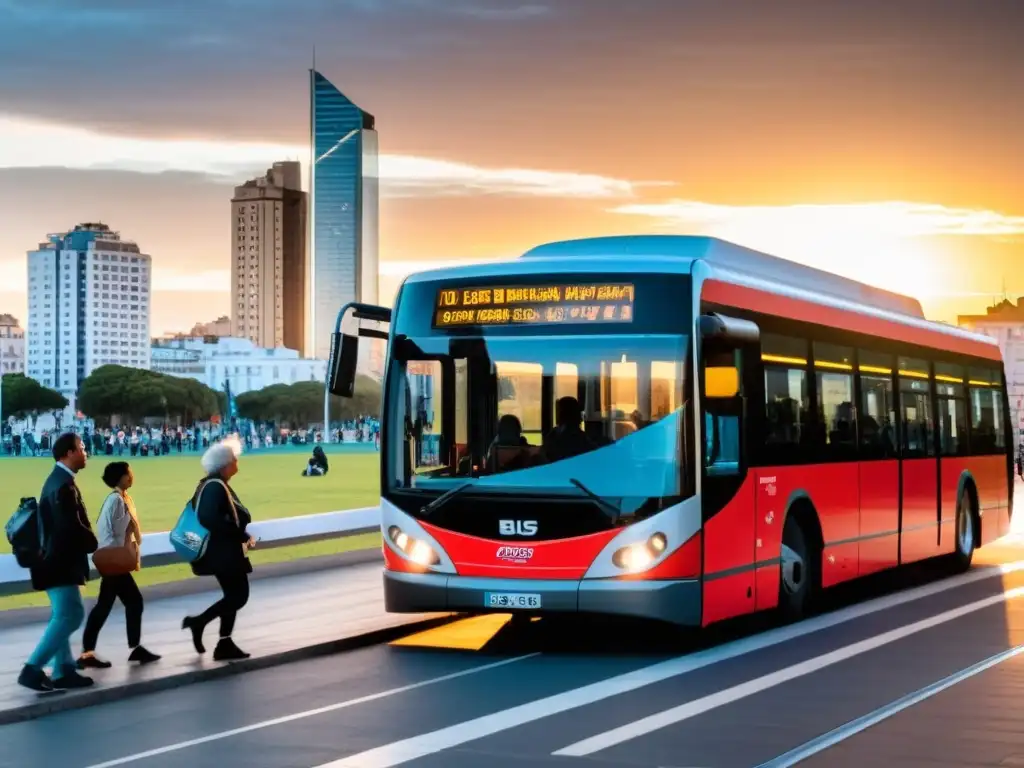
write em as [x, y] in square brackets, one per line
[226, 557]
[117, 529]
[62, 571]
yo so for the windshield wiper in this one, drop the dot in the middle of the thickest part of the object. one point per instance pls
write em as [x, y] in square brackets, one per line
[444, 498]
[606, 506]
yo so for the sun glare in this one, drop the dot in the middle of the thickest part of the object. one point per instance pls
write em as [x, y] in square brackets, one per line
[905, 265]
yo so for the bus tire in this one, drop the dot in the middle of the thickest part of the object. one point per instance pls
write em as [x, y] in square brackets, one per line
[966, 532]
[797, 571]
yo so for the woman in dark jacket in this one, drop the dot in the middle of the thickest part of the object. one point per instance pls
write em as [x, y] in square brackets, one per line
[225, 558]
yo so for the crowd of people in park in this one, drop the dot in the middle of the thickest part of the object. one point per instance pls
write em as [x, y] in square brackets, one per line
[130, 441]
[116, 441]
[54, 537]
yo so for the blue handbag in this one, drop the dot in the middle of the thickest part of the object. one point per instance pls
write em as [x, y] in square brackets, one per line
[189, 537]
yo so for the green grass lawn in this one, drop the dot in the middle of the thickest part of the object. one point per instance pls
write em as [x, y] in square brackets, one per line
[269, 485]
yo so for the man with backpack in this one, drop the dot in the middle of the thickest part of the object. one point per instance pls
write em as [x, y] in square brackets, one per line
[61, 569]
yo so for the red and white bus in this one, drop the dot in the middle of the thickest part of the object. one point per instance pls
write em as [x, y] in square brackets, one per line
[676, 428]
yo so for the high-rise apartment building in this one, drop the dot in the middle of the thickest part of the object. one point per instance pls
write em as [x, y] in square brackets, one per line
[344, 179]
[12, 345]
[88, 306]
[268, 277]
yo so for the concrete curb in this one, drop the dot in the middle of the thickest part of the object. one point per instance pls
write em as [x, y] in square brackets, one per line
[52, 703]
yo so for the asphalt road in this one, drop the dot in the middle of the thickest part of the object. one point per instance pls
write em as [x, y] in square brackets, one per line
[598, 695]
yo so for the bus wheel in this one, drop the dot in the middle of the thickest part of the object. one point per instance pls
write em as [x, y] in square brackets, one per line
[796, 583]
[965, 533]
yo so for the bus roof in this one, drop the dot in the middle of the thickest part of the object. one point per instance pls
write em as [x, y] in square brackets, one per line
[727, 261]
[736, 258]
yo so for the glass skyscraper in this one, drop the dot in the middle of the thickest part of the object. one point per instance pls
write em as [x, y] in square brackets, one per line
[343, 210]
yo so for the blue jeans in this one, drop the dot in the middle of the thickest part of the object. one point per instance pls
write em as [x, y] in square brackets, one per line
[67, 611]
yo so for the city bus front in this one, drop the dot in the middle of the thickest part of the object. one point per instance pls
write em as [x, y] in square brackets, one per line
[538, 447]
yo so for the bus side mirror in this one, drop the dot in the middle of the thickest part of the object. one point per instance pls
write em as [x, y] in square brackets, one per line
[354, 321]
[721, 382]
[341, 371]
[721, 328]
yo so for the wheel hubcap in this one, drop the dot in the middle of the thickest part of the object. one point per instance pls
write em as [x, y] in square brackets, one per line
[965, 531]
[793, 570]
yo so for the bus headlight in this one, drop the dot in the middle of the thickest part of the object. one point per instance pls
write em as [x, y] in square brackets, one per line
[637, 557]
[418, 551]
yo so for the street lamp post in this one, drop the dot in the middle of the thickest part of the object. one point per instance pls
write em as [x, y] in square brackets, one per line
[327, 415]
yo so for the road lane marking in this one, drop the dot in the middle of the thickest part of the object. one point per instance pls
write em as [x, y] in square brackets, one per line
[425, 744]
[843, 732]
[700, 706]
[308, 713]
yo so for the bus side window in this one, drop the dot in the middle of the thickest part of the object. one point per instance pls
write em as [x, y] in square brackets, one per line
[877, 415]
[988, 433]
[787, 398]
[915, 405]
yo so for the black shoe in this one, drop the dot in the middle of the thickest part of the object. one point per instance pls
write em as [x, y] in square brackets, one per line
[70, 679]
[35, 679]
[91, 661]
[226, 650]
[189, 622]
[143, 656]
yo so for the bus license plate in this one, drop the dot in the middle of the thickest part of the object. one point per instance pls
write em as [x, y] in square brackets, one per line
[511, 600]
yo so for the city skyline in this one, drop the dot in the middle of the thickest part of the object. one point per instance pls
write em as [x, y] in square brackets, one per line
[876, 141]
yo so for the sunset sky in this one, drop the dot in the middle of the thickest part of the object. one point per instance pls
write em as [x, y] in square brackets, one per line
[882, 139]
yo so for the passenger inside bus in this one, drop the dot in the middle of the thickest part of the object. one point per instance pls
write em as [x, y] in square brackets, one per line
[842, 432]
[567, 439]
[509, 450]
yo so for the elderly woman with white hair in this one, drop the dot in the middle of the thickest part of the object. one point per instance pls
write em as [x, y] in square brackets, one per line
[223, 515]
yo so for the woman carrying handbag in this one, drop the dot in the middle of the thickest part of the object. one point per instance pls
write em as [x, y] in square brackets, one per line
[116, 559]
[221, 512]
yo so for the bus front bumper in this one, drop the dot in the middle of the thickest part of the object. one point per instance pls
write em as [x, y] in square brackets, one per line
[675, 602]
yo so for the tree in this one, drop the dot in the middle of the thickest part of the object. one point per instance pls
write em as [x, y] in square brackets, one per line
[24, 397]
[134, 394]
[303, 402]
[506, 388]
[365, 400]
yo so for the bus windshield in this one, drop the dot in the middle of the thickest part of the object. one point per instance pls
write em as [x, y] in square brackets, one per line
[551, 415]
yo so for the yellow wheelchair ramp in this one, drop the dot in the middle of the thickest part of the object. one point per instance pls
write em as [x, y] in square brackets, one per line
[470, 634]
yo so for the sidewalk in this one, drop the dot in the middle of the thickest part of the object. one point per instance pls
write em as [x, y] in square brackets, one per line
[286, 619]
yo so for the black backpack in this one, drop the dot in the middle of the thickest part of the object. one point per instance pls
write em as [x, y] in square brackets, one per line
[25, 534]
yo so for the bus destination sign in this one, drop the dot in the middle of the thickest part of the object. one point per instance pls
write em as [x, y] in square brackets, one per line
[535, 305]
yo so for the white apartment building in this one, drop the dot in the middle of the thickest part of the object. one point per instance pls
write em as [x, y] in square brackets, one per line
[89, 305]
[12, 346]
[1004, 322]
[238, 362]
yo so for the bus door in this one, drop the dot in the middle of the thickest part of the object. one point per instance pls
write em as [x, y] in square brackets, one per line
[919, 465]
[879, 464]
[727, 499]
